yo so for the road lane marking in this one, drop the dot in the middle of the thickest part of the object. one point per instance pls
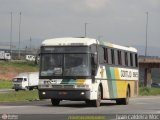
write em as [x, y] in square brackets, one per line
[9, 107]
[141, 103]
[139, 98]
[6, 107]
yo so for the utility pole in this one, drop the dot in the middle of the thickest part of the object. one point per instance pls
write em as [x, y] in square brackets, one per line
[11, 36]
[147, 72]
[19, 43]
[146, 34]
[85, 29]
[30, 41]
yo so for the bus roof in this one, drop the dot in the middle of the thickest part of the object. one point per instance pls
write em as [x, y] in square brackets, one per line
[70, 41]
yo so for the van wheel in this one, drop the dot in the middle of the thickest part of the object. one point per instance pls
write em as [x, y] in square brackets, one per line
[30, 88]
[124, 101]
[55, 102]
[97, 103]
[16, 89]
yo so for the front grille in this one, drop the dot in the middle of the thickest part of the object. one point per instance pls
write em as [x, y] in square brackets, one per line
[17, 85]
[63, 86]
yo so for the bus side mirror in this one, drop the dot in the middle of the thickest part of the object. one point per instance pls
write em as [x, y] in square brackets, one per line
[94, 63]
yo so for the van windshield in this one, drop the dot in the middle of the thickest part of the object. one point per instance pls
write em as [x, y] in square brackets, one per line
[17, 79]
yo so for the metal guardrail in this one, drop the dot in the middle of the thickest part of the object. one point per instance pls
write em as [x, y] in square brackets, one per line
[149, 60]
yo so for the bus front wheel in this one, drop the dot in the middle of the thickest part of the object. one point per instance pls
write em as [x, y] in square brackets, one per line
[97, 102]
[55, 102]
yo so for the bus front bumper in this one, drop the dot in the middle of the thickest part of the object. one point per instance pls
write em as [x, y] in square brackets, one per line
[64, 94]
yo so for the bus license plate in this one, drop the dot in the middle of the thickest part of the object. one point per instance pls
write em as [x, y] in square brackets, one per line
[62, 93]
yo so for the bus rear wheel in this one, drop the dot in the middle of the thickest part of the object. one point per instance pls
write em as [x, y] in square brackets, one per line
[124, 101]
[55, 102]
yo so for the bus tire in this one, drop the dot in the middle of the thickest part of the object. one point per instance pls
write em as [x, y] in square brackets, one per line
[124, 101]
[119, 101]
[97, 102]
[55, 102]
[88, 102]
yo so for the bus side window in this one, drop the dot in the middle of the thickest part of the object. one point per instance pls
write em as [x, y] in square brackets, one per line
[105, 55]
[126, 58]
[109, 56]
[123, 60]
[136, 60]
[119, 57]
[131, 59]
[112, 56]
[115, 57]
[101, 55]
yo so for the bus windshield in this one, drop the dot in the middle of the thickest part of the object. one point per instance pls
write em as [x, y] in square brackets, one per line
[76, 65]
[65, 65]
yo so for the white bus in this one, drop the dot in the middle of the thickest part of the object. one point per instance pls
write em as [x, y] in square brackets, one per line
[5, 55]
[88, 70]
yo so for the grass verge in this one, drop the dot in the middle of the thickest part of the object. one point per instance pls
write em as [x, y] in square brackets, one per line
[19, 96]
[20, 66]
[5, 84]
[145, 91]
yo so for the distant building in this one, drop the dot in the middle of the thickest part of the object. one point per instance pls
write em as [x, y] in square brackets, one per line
[15, 51]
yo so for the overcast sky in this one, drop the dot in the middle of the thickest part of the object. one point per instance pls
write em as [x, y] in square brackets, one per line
[118, 21]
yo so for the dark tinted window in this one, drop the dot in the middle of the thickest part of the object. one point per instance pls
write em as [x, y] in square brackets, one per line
[126, 58]
[119, 57]
[136, 60]
[105, 55]
[101, 55]
[112, 56]
[131, 59]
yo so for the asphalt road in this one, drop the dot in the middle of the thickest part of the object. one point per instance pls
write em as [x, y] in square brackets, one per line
[139, 105]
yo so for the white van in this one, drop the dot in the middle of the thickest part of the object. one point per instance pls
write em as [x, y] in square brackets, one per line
[28, 80]
[5, 55]
[30, 57]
